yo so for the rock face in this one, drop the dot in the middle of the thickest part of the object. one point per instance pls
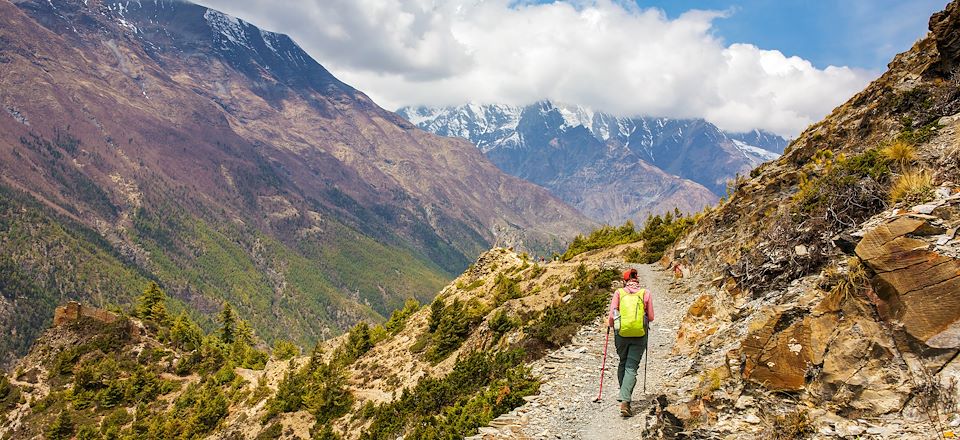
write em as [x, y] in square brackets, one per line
[644, 165]
[73, 311]
[916, 286]
[943, 25]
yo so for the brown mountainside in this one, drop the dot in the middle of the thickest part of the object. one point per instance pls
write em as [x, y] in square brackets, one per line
[168, 141]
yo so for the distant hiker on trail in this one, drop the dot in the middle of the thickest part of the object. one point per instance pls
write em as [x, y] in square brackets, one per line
[631, 311]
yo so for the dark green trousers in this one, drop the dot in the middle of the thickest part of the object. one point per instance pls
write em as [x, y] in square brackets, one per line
[631, 351]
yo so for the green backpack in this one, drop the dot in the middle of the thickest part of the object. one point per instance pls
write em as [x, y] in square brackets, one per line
[632, 314]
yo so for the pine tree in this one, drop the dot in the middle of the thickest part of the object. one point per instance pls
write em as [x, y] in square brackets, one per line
[186, 334]
[229, 324]
[243, 333]
[152, 304]
[436, 314]
[61, 428]
[358, 341]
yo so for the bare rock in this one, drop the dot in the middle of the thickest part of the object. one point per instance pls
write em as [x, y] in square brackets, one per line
[916, 286]
[778, 354]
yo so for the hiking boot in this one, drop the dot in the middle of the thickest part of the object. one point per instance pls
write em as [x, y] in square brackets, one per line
[625, 410]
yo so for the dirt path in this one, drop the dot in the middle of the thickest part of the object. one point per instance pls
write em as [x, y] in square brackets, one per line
[564, 407]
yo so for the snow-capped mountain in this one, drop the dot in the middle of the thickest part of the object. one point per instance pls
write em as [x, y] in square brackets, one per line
[576, 152]
[693, 149]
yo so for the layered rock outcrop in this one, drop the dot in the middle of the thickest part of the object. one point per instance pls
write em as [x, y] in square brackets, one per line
[915, 284]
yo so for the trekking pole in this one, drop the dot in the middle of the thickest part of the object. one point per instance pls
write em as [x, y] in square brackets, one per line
[646, 357]
[603, 366]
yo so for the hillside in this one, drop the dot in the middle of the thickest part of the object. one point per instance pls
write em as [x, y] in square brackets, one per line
[462, 358]
[165, 141]
[831, 273]
[611, 168]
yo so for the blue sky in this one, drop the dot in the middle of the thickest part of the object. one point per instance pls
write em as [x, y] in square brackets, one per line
[856, 33]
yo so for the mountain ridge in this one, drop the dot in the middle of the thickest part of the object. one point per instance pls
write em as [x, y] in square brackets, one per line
[652, 165]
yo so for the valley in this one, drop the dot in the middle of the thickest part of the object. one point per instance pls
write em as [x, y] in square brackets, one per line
[204, 234]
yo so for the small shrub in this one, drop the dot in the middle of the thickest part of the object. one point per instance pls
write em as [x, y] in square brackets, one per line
[455, 324]
[436, 313]
[325, 433]
[472, 286]
[319, 387]
[536, 271]
[913, 187]
[792, 425]
[481, 386]
[358, 343]
[500, 323]
[421, 343]
[919, 135]
[558, 323]
[710, 381]
[505, 289]
[274, 431]
[61, 428]
[262, 391]
[9, 394]
[399, 317]
[658, 234]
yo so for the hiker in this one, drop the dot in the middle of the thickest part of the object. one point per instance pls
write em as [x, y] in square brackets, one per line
[631, 311]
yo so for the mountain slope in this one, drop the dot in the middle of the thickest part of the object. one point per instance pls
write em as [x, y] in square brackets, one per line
[225, 163]
[574, 151]
[833, 271]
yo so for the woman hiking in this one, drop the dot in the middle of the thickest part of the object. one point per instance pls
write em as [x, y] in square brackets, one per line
[631, 311]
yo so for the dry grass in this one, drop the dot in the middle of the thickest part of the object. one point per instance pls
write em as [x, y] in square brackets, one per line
[849, 284]
[900, 152]
[711, 381]
[912, 187]
[789, 426]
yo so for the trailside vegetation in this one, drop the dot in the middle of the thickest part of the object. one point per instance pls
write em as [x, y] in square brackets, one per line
[589, 296]
[834, 192]
[658, 234]
[603, 237]
[481, 386]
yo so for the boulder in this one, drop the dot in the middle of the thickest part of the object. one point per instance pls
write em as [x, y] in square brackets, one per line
[697, 325]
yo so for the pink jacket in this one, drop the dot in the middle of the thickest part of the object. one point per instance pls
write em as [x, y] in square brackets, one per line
[631, 287]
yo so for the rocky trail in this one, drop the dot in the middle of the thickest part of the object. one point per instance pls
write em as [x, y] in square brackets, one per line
[564, 409]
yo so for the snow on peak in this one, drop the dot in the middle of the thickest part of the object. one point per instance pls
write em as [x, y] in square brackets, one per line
[575, 115]
[755, 155]
[230, 28]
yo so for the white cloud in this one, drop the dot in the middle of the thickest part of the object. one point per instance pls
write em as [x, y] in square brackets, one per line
[603, 54]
